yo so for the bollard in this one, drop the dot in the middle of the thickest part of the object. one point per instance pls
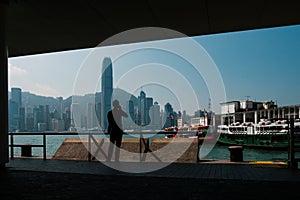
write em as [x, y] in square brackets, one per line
[236, 153]
[26, 150]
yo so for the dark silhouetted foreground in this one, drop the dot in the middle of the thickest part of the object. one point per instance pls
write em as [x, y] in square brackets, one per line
[60, 179]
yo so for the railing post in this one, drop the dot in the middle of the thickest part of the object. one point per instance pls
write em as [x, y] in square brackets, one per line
[141, 146]
[89, 147]
[198, 148]
[11, 145]
[44, 146]
[291, 153]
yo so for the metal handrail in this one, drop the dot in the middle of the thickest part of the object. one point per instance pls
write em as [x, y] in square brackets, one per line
[43, 145]
[89, 134]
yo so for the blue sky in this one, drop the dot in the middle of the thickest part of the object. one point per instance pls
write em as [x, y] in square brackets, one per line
[263, 64]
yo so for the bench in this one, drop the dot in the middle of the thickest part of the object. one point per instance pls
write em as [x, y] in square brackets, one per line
[26, 149]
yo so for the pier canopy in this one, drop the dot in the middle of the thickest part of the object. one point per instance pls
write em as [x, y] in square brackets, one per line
[29, 27]
[34, 26]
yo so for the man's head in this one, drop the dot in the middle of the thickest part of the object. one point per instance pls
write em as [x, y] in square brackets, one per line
[116, 104]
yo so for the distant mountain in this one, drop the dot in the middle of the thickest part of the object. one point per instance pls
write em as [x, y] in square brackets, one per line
[32, 100]
[118, 93]
[67, 102]
[29, 99]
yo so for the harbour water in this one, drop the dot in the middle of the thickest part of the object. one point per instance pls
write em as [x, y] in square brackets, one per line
[219, 152]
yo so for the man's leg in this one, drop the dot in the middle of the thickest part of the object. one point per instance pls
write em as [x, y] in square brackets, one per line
[118, 148]
[112, 140]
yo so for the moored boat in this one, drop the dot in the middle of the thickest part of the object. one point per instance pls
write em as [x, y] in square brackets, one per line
[199, 132]
[264, 135]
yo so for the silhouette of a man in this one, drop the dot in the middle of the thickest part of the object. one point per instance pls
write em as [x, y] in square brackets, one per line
[114, 118]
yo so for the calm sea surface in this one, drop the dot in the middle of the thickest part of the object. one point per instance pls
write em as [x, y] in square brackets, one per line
[218, 152]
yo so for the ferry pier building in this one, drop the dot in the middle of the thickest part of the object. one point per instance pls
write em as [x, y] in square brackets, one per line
[251, 111]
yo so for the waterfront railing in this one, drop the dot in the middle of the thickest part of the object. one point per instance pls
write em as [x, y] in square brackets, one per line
[43, 145]
[91, 136]
[293, 148]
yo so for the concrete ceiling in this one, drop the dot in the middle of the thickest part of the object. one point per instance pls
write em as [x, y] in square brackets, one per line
[41, 26]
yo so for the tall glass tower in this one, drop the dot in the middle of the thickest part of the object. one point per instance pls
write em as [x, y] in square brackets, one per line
[144, 105]
[106, 90]
[15, 104]
[16, 96]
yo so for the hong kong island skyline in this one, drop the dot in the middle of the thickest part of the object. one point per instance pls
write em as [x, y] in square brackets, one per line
[88, 112]
[144, 112]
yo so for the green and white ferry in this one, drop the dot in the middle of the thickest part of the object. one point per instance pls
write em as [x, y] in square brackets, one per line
[264, 135]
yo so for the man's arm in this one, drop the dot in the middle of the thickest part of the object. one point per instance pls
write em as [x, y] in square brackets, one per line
[124, 114]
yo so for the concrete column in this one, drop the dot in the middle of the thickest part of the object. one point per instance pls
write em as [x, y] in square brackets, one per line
[283, 114]
[3, 90]
[269, 114]
[255, 117]
[244, 116]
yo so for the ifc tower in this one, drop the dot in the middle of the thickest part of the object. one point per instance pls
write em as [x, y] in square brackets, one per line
[107, 89]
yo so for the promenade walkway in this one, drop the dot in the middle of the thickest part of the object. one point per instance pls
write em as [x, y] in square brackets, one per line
[33, 178]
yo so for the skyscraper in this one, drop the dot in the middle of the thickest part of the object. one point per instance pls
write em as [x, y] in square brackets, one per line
[13, 112]
[106, 90]
[91, 116]
[170, 117]
[15, 104]
[144, 105]
[155, 116]
[16, 96]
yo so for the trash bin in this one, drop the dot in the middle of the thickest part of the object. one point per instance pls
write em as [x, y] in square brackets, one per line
[26, 150]
[236, 153]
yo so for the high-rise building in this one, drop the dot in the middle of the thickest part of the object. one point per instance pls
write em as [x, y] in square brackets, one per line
[22, 119]
[15, 104]
[13, 115]
[47, 117]
[144, 105]
[131, 110]
[16, 96]
[39, 116]
[98, 108]
[149, 104]
[60, 107]
[30, 122]
[155, 117]
[67, 118]
[91, 116]
[142, 108]
[35, 117]
[170, 117]
[75, 119]
[106, 90]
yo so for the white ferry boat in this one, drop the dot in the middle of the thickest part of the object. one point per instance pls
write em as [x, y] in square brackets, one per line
[265, 134]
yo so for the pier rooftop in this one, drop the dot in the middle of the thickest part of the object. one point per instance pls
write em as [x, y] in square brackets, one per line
[34, 178]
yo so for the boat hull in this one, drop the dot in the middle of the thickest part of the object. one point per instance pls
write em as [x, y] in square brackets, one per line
[259, 141]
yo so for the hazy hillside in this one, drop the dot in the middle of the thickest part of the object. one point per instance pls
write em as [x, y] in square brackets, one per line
[32, 100]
